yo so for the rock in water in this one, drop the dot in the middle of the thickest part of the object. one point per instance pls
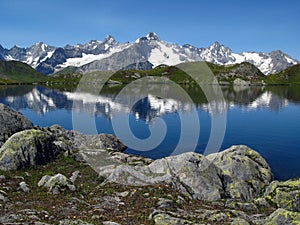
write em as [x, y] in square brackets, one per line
[245, 172]
[240, 82]
[27, 148]
[11, 122]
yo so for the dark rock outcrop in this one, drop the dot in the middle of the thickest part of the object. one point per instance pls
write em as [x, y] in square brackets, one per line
[11, 122]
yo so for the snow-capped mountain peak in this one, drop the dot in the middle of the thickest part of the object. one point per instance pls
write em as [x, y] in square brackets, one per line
[109, 39]
[109, 54]
[152, 36]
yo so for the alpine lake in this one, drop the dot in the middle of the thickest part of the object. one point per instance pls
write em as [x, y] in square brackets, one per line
[265, 118]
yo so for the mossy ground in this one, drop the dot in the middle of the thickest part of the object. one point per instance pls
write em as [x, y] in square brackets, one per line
[87, 202]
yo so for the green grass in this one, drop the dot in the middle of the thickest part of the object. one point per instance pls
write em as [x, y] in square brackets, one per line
[18, 72]
[290, 75]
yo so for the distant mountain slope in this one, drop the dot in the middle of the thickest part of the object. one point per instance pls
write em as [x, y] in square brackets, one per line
[289, 75]
[109, 54]
[244, 70]
[14, 71]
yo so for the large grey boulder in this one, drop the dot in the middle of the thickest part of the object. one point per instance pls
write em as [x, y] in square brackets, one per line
[245, 172]
[240, 82]
[238, 172]
[283, 217]
[11, 122]
[284, 194]
[185, 172]
[28, 148]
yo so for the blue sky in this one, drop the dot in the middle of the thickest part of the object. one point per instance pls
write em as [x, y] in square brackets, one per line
[242, 25]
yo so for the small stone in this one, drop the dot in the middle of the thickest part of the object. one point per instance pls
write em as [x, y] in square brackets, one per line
[164, 203]
[43, 180]
[33, 217]
[110, 223]
[162, 218]
[19, 177]
[28, 174]
[3, 198]
[55, 191]
[56, 183]
[73, 222]
[122, 194]
[3, 192]
[71, 187]
[180, 200]
[24, 187]
[74, 176]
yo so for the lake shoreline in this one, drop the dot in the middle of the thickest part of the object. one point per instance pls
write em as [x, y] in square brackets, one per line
[237, 183]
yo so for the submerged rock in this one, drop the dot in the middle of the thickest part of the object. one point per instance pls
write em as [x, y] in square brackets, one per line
[11, 122]
[240, 82]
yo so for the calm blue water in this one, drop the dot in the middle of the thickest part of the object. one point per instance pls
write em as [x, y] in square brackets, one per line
[266, 120]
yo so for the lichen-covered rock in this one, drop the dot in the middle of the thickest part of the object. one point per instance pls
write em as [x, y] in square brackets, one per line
[284, 194]
[283, 217]
[245, 172]
[183, 171]
[240, 82]
[56, 183]
[75, 140]
[3, 198]
[24, 187]
[239, 221]
[165, 219]
[110, 223]
[27, 148]
[73, 222]
[11, 122]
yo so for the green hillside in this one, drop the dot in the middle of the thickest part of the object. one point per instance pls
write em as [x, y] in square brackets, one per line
[290, 75]
[244, 71]
[18, 72]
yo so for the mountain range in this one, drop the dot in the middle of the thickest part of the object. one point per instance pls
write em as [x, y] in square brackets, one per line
[143, 54]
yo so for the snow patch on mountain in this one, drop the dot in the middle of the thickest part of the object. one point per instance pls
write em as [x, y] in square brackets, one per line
[88, 58]
[109, 55]
[164, 54]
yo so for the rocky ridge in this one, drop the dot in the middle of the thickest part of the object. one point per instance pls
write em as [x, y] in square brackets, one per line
[70, 178]
[146, 52]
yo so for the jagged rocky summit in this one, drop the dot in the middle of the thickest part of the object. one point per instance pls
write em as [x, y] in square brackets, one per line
[145, 53]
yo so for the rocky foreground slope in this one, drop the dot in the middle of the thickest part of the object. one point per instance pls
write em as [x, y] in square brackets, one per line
[55, 176]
